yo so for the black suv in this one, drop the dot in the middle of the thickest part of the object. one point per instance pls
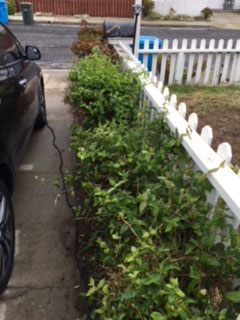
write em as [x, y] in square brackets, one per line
[22, 108]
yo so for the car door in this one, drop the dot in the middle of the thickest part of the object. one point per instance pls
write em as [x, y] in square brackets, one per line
[19, 87]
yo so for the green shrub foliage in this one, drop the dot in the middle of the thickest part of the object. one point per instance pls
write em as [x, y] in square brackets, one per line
[148, 6]
[152, 239]
[100, 91]
[207, 13]
[90, 37]
[12, 8]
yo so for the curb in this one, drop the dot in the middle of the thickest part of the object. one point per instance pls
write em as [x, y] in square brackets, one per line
[143, 23]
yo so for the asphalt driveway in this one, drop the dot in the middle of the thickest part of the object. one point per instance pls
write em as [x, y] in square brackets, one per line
[45, 281]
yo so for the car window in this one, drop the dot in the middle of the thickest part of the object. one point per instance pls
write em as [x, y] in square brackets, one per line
[9, 52]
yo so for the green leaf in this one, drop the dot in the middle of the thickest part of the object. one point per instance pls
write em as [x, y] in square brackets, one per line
[211, 261]
[101, 284]
[129, 294]
[90, 292]
[180, 293]
[142, 206]
[233, 296]
[157, 316]
[92, 282]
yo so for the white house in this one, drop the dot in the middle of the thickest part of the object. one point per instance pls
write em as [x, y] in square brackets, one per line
[193, 7]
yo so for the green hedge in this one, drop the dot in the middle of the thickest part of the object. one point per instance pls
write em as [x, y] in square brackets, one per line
[100, 91]
[153, 243]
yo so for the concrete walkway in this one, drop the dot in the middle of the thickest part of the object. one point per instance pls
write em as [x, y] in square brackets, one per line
[221, 19]
[45, 282]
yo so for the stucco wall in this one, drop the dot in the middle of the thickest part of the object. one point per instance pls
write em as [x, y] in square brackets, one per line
[189, 7]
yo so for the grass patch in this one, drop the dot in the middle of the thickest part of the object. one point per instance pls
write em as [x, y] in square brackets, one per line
[204, 99]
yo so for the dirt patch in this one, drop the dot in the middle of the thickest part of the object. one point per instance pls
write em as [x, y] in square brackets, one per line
[217, 107]
[225, 129]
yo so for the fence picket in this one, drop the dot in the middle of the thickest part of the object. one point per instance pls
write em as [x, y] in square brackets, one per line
[191, 61]
[166, 93]
[209, 62]
[193, 121]
[180, 63]
[237, 77]
[154, 58]
[207, 134]
[226, 62]
[145, 56]
[217, 66]
[173, 60]
[160, 86]
[200, 62]
[182, 109]
[225, 152]
[154, 79]
[173, 100]
[234, 70]
[163, 61]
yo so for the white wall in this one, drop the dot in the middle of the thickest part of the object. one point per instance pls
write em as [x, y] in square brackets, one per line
[189, 7]
[237, 4]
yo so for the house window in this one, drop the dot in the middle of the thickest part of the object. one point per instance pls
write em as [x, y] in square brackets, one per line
[228, 4]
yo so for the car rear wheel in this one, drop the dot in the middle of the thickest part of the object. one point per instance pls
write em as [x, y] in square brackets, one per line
[7, 236]
[41, 120]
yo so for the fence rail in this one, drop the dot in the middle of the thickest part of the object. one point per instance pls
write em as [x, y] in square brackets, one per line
[215, 165]
[94, 8]
[185, 63]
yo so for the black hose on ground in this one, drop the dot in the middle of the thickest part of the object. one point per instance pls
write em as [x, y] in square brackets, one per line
[65, 191]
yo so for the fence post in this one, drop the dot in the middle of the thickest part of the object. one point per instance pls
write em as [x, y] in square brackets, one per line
[138, 25]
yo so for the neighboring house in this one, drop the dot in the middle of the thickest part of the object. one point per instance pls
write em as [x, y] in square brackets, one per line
[193, 7]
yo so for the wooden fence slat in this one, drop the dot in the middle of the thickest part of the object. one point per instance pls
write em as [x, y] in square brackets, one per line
[200, 62]
[160, 88]
[154, 58]
[207, 134]
[237, 72]
[191, 61]
[181, 63]
[102, 8]
[224, 150]
[173, 100]
[182, 109]
[234, 70]
[217, 66]
[173, 60]
[193, 121]
[209, 62]
[166, 93]
[226, 62]
[146, 56]
[163, 61]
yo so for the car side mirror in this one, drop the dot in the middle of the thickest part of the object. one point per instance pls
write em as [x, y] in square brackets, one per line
[33, 53]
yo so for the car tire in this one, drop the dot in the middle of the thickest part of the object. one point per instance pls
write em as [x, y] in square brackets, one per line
[7, 236]
[41, 120]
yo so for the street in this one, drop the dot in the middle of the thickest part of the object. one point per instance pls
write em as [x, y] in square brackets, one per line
[55, 41]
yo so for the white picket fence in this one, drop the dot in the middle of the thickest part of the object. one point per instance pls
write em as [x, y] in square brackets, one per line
[188, 64]
[215, 165]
